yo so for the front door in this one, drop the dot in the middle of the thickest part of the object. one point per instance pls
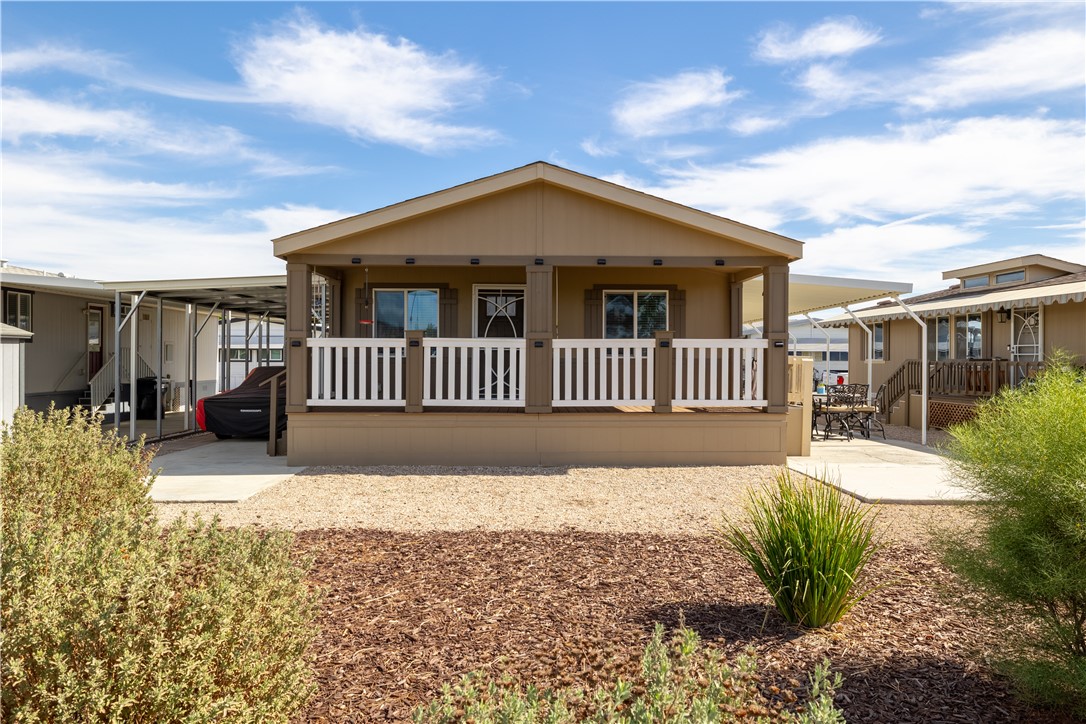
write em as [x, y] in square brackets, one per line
[95, 343]
[1026, 335]
[499, 311]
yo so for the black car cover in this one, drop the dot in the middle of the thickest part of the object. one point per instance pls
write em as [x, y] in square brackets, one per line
[243, 411]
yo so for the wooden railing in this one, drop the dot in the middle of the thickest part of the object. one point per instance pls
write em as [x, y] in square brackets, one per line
[473, 372]
[978, 378]
[719, 372]
[603, 372]
[904, 379]
[356, 372]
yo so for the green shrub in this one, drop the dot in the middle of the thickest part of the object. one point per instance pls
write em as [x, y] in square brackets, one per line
[808, 544]
[680, 682]
[1025, 455]
[111, 617]
[59, 466]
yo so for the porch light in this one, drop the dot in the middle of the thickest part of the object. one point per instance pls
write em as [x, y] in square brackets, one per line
[1004, 315]
[657, 262]
[719, 262]
[356, 260]
[409, 260]
[601, 262]
[474, 261]
[539, 262]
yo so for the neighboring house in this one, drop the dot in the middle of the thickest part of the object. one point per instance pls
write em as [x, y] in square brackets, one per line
[253, 344]
[69, 360]
[994, 326]
[590, 309]
[830, 355]
[12, 370]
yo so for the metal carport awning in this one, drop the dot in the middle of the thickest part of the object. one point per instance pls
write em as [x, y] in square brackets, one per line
[808, 293]
[263, 296]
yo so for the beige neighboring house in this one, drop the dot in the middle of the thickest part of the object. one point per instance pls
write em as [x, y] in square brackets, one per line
[995, 326]
[538, 316]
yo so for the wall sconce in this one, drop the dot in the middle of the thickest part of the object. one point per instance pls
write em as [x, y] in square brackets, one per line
[601, 262]
[409, 260]
[356, 260]
[474, 261]
[539, 262]
[657, 262]
[719, 262]
[1004, 316]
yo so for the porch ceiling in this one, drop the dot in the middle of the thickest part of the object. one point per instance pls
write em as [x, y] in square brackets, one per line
[251, 295]
[807, 293]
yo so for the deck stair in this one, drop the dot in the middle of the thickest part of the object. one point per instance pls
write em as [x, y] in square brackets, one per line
[100, 390]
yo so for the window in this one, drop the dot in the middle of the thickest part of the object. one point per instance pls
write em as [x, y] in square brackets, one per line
[239, 355]
[271, 355]
[634, 315]
[17, 310]
[838, 356]
[878, 338]
[968, 337]
[1014, 276]
[939, 338]
[499, 311]
[399, 310]
[974, 282]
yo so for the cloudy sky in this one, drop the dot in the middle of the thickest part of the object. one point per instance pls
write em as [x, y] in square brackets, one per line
[897, 139]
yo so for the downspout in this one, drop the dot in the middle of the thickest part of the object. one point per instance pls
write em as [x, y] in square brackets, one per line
[823, 330]
[923, 369]
[870, 350]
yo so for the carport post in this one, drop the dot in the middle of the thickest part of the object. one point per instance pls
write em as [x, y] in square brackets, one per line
[117, 363]
[870, 349]
[246, 344]
[133, 355]
[188, 360]
[158, 377]
[923, 370]
[195, 360]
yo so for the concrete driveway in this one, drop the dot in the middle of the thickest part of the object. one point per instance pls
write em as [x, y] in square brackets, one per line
[225, 471]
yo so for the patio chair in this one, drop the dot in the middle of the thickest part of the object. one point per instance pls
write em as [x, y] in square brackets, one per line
[867, 416]
[840, 409]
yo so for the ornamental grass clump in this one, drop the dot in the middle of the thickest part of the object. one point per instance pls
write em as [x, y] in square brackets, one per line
[1024, 456]
[808, 544]
[680, 681]
[108, 616]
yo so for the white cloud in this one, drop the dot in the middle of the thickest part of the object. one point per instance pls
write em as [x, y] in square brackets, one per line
[365, 84]
[978, 168]
[290, 218]
[753, 125]
[833, 37]
[27, 115]
[593, 148]
[689, 101]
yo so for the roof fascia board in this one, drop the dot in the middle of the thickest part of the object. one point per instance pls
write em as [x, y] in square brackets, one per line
[399, 260]
[1030, 260]
[60, 284]
[180, 285]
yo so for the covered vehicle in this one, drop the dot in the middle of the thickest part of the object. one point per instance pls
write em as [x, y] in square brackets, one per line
[244, 410]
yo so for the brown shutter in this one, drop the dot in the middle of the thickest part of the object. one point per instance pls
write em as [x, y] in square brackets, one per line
[678, 312]
[448, 321]
[593, 313]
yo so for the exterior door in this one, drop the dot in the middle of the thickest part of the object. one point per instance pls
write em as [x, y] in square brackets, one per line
[1026, 335]
[499, 311]
[95, 342]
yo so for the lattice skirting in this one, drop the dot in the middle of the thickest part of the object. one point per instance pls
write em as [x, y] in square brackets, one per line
[944, 414]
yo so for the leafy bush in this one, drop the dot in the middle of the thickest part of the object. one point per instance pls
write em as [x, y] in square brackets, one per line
[808, 544]
[109, 617]
[1025, 455]
[680, 682]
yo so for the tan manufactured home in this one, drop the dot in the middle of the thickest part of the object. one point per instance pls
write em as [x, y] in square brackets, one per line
[995, 326]
[538, 316]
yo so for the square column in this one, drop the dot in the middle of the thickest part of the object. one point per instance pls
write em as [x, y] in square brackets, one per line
[538, 333]
[299, 294]
[775, 329]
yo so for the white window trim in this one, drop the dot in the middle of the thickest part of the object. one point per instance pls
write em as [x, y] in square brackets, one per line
[476, 288]
[29, 308]
[996, 276]
[404, 291]
[635, 292]
[985, 281]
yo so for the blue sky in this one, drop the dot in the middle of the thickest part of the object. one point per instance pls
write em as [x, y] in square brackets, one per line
[146, 140]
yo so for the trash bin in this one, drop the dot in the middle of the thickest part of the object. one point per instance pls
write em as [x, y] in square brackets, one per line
[145, 397]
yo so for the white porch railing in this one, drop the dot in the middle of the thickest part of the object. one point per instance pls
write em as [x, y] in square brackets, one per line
[719, 372]
[356, 372]
[104, 381]
[603, 372]
[473, 372]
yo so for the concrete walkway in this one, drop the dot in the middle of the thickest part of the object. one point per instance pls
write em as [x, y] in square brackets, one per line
[878, 471]
[226, 471]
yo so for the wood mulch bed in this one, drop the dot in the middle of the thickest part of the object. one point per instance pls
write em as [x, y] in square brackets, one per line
[405, 613]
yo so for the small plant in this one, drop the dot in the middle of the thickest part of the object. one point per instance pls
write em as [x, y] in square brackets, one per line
[107, 616]
[808, 544]
[1024, 455]
[680, 682]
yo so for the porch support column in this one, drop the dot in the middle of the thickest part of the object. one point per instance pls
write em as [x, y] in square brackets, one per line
[413, 376]
[538, 334]
[775, 329]
[735, 308]
[296, 332]
[664, 371]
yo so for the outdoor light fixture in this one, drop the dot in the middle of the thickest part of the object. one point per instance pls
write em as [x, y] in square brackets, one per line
[1004, 315]
[539, 262]
[601, 262]
[409, 260]
[474, 261]
[719, 262]
[657, 262]
[356, 260]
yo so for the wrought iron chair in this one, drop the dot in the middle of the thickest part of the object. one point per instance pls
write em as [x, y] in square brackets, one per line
[840, 409]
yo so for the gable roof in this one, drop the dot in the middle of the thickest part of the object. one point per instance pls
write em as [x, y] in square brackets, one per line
[540, 172]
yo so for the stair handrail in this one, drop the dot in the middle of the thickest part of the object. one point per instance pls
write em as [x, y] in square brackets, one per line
[102, 385]
[904, 379]
[71, 369]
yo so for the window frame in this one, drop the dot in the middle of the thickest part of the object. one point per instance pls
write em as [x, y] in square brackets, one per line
[405, 291]
[267, 355]
[975, 282]
[29, 297]
[634, 293]
[240, 354]
[476, 288]
[996, 278]
[878, 354]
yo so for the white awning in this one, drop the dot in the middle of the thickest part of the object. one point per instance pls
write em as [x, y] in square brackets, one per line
[1004, 299]
[807, 293]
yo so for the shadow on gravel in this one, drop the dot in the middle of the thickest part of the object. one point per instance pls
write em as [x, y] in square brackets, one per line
[749, 623]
